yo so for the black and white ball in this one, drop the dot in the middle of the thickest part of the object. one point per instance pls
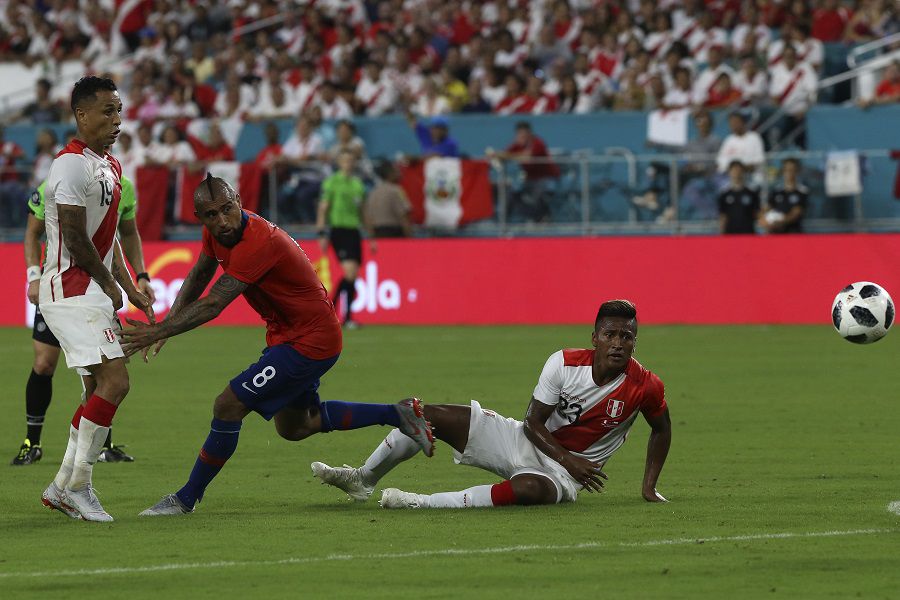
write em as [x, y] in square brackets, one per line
[862, 312]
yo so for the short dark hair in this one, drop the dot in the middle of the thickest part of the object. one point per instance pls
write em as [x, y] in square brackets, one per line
[87, 87]
[616, 308]
[523, 125]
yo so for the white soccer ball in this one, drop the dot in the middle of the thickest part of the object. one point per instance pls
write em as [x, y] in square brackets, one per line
[862, 312]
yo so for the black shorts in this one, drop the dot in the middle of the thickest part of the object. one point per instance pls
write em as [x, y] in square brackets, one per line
[347, 244]
[40, 332]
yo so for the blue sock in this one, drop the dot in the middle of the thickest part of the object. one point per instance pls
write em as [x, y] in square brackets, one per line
[218, 448]
[341, 416]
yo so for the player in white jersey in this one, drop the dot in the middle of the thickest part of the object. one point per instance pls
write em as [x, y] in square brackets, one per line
[78, 292]
[583, 405]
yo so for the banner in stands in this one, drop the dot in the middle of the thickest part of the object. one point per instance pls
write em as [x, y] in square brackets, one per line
[740, 279]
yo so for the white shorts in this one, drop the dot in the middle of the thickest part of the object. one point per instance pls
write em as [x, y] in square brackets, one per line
[87, 329]
[498, 444]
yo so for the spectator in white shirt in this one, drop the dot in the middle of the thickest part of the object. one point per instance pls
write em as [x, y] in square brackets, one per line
[793, 87]
[750, 36]
[431, 103]
[305, 158]
[333, 107]
[375, 94]
[741, 145]
[178, 105]
[751, 81]
[704, 39]
[680, 95]
[171, 150]
[708, 76]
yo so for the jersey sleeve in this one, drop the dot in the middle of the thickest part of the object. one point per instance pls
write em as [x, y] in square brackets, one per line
[128, 201]
[549, 383]
[36, 201]
[327, 190]
[654, 403]
[69, 179]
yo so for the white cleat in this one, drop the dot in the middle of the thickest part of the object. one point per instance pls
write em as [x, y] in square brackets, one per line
[85, 504]
[394, 498]
[170, 505]
[414, 425]
[345, 478]
[52, 499]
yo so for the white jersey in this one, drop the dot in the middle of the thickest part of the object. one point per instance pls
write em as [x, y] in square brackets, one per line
[79, 177]
[593, 421]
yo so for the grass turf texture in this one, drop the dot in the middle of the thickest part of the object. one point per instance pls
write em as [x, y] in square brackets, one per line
[776, 429]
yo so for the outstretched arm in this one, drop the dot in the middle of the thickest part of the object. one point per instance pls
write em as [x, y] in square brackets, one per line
[123, 277]
[191, 315]
[33, 232]
[657, 451]
[134, 252]
[194, 284]
[584, 471]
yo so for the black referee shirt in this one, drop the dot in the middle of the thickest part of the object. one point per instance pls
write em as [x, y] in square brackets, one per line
[784, 201]
[740, 207]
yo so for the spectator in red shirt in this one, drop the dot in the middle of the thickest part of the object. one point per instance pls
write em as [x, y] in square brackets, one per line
[830, 21]
[215, 148]
[723, 93]
[515, 101]
[888, 91]
[12, 191]
[540, 172]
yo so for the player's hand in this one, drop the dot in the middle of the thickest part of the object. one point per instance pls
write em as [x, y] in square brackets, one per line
[34, 289]
[588, 473]
[137, 337]
[651, 495]
[112, 290]
[142, 303]
[156, 348]
[147, 289]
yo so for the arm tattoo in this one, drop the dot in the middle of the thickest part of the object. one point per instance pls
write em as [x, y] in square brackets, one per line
[194, 284]
[72, 224]
[226, 289]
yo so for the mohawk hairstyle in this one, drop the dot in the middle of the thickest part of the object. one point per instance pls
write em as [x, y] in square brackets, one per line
[616, 308]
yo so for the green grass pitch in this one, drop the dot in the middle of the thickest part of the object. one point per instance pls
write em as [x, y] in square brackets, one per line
[784, 460]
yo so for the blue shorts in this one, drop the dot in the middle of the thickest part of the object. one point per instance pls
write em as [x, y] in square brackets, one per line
[281, 378]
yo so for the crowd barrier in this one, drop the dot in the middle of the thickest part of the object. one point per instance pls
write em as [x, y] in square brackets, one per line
[693, 280]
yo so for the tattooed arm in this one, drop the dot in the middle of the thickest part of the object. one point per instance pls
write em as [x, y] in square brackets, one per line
[189, 316]
[194, 284]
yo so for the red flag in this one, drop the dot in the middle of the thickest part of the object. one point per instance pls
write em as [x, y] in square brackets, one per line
[152, 188]
[250, 184]
[447, 192]
[186, 181]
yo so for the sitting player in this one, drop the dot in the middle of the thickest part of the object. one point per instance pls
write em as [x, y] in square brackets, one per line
[583, 406]
[303, 338]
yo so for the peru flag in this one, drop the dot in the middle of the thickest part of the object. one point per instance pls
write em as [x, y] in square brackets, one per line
[448, 192]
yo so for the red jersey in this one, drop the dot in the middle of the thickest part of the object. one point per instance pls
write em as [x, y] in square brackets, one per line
[590, 420]
[283, 287]
[536, 148]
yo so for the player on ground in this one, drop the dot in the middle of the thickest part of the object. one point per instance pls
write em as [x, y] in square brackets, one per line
[583, 405]
[303, 339]
[78, 292]
[39, 389]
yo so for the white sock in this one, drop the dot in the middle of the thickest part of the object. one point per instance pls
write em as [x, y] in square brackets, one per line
[65, 469]
[91, 438]
[480, 495]
[395, 449]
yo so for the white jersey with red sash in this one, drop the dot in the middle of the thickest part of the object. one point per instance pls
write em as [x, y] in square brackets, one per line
[591, 420]
[79, 177]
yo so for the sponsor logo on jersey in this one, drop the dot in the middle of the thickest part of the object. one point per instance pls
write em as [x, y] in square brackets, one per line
[614, 408]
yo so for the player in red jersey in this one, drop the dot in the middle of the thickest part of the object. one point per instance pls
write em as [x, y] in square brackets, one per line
[303, 340]
[582, 408]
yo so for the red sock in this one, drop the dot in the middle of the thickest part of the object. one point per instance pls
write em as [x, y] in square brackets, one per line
[99, 411]
[502, 494]
[77, 418]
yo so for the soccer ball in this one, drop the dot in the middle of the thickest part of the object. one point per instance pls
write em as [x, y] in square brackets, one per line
[862, 312]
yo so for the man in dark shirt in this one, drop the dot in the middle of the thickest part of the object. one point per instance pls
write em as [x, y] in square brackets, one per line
[787, 204]
[738, 204]
[539, 169]
[434, 138]
[43, 109]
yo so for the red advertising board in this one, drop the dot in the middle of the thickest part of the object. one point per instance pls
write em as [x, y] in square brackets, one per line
[741, 279]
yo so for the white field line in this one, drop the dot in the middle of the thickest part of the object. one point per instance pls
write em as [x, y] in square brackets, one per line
[894, 507]
[445, 552]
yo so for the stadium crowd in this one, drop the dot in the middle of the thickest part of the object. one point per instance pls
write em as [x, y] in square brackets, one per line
[177, 61]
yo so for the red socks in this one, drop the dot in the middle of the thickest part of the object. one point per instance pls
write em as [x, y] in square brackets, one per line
[502, 494]
[77, 418]
[99, 411]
